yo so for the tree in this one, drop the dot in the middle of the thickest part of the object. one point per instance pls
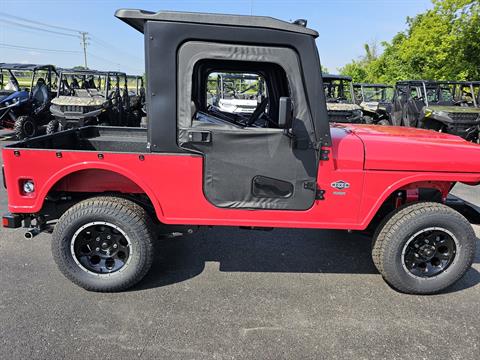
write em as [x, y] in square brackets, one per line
[440, 44]
[358, 70]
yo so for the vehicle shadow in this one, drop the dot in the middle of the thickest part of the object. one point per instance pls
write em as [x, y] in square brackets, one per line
[280, 250]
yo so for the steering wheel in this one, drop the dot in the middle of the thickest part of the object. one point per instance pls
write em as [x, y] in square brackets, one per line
[257, 113]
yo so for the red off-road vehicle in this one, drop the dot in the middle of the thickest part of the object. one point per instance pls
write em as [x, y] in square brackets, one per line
[108, 192]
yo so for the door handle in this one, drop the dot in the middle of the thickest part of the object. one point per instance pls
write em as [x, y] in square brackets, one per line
[200, 136]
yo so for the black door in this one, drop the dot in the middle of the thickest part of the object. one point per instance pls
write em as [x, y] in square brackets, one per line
[256, 168]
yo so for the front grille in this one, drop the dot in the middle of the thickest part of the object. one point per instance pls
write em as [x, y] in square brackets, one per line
[463, 116]
[73, 108]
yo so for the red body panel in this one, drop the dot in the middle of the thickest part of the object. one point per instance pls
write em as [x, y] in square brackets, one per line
[374, 162]
[399, 148]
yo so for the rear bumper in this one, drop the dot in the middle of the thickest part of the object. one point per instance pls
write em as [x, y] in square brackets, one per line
[12, 221]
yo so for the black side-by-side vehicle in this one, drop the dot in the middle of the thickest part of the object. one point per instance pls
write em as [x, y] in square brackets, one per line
[375, 101]
[25, 94]
[431, 105]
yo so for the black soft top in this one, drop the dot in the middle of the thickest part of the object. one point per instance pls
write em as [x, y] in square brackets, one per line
[418, 82]
[336, 77]
[137, 18]
[26, 67]
[91, 72]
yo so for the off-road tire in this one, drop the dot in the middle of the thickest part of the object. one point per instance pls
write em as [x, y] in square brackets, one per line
[128, 216]
[25, 127]
[53, 127]
[397, 228]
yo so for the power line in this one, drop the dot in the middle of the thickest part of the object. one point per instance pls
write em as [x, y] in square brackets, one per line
[37, 28]
[106, 44]
[38, 49]
[38, 22]
[83, 35]
[113, 62]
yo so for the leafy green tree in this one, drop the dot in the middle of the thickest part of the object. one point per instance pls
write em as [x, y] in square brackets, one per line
[441, 43]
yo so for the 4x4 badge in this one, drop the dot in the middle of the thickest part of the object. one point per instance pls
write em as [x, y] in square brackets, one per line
[340, 185]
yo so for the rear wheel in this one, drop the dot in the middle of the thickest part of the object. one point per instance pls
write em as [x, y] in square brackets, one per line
[25, 127]
[104, 244]
[423, 248]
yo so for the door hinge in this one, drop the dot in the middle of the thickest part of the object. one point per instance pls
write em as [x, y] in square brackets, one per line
[320, 194]
[312, 185]
[324, 154]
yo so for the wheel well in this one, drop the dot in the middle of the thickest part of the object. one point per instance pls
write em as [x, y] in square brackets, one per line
[84, 184]
[421, 191]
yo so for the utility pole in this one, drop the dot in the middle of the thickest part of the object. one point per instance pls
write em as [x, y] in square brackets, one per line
[84, 45]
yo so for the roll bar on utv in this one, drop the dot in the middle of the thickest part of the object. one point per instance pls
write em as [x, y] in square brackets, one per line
[102, 78]
[379, 87]
[458, 87]
[12, 68]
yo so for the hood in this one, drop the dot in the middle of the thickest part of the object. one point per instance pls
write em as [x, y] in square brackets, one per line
[453, 109]
[342, 107]
[78, 101]
[409, 149]
[22, 95]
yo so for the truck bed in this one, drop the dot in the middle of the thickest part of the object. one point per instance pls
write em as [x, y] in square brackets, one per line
[93, 138]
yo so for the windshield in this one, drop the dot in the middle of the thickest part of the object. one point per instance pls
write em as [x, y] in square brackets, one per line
[71, 83]
[15, 80]
[440, 95]
[338, 90]
[235, 85]
[377, 93]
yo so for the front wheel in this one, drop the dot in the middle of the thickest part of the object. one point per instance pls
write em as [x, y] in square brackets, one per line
[104, 244]
[53, 126]
[25, 127]
[423, 248]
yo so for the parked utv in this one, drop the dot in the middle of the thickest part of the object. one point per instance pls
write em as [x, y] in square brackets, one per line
[235, 93]
[108, 192]
[464, 93]
[340, 99]
[136, 92]
[375, 101]
[90, 97]
[431, 105]
[25, 94]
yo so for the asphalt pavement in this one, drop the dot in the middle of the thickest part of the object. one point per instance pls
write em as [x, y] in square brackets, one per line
[228, 293]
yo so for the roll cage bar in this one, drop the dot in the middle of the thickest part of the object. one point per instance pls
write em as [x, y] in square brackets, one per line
[362, 86]
[33, 68]
[85, 73]
[329, 78]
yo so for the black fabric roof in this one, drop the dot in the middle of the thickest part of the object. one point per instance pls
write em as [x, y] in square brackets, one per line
[417, 82]
[92, 72]
[136, 19]
[31, 67]
[335, 77]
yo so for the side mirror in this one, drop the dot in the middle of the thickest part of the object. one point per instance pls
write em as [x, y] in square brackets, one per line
[285, 113]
